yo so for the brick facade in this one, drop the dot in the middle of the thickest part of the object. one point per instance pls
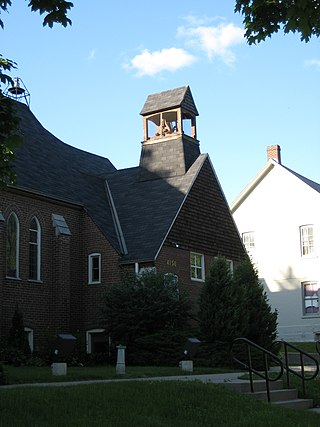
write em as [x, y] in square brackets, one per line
[151, 215]
[62, 301]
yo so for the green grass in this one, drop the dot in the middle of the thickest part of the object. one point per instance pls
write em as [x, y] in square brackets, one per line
[131, 404]
[309, 347]
[28, 374]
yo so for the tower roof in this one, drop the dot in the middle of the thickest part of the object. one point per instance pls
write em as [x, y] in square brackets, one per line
[180, 97]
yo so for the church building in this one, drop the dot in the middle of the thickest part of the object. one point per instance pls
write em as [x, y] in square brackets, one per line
[73, 222]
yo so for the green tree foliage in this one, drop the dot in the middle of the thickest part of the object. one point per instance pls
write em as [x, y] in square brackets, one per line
[9, 140]
[54, 11]
[260, 324]
[17, 349]
[149, 315]
[262, 18]
[219, 315]
[233, 306]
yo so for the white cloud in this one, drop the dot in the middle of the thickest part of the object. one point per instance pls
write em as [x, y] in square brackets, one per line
[313, 63]
[214, 41]
[151, 63]
[196, 21]
[92, 54]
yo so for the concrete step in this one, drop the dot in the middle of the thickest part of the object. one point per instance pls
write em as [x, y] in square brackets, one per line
[244, 386]
[296, 403]
[276, 395]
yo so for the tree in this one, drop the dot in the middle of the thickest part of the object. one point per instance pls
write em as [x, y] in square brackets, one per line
[18, 349]
[55, 11]
[261, 321]
[262, 18]
[233, 306]
[149, 315]
[219, 313]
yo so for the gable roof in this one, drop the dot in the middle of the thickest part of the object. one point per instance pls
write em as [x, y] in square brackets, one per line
[261, 175]
[180, 97]
[147, 209]
[134, 215]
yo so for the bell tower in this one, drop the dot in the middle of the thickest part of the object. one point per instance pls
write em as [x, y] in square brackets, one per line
[170, 144]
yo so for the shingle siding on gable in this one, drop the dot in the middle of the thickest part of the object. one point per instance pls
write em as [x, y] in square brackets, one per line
[204, 223]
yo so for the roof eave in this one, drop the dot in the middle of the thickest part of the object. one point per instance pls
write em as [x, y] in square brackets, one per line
[252, 185]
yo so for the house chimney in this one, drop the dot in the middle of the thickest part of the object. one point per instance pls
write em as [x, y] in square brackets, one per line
[274, 153]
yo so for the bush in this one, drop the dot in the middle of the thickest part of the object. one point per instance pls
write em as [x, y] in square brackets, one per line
[2, 375]
[148, 315]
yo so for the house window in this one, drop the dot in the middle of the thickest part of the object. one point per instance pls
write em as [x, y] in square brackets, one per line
[249, 242]
[12, 246]
[311, 292]
[34, 249]
[197, 266]
[307, 240]
[97, 341]
[230, 265]
[94, 268]
[29, 335]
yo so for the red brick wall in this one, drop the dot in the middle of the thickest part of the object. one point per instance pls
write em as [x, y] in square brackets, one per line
[62, 301]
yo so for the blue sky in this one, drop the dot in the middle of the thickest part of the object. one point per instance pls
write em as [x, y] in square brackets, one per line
[88, 82]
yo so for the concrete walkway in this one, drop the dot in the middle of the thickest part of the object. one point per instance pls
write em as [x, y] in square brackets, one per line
[206, 378]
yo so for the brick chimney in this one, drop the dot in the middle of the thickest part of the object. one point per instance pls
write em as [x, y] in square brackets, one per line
[274, 153]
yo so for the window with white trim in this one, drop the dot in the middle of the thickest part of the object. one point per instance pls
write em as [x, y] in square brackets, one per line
[310, 295]
[97, 341]
[230, 265]
[307, 240]
[248, 240]
[197, 266]
[34, 249]
[29, 335]
[12, 246]
[94, 269]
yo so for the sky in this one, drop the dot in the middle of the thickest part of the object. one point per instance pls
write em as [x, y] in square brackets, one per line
[88, 82]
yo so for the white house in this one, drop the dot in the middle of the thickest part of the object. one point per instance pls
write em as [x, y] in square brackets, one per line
[283, 239]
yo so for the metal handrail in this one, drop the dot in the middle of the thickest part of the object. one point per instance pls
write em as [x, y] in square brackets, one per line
[266, 355]
[301, 374]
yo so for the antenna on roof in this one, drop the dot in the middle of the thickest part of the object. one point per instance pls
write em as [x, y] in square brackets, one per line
[18, 91]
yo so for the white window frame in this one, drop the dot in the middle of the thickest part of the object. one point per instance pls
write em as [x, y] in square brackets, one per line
[307, 246]
[17, 244]
[38, 244]
[29, 333]
[249, 242]
[197, 268]
[315, 298]
[91, 280]
[230, 264]
[89, 334]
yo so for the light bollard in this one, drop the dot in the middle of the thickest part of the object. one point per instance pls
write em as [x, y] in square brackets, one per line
[121, 364]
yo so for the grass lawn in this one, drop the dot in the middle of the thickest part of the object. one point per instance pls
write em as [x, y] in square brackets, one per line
[143, 404]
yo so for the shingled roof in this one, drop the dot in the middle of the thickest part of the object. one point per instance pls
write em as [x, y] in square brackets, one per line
[47, 166]
[180, 97]
[145, 209]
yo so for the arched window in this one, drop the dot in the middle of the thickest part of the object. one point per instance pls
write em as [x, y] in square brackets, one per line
[12, 246]
[34, 249]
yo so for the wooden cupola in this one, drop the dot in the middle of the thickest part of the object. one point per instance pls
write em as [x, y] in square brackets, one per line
[170, 144]
[169, 114]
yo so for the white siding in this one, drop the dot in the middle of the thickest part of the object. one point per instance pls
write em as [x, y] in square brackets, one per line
[275, 210]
